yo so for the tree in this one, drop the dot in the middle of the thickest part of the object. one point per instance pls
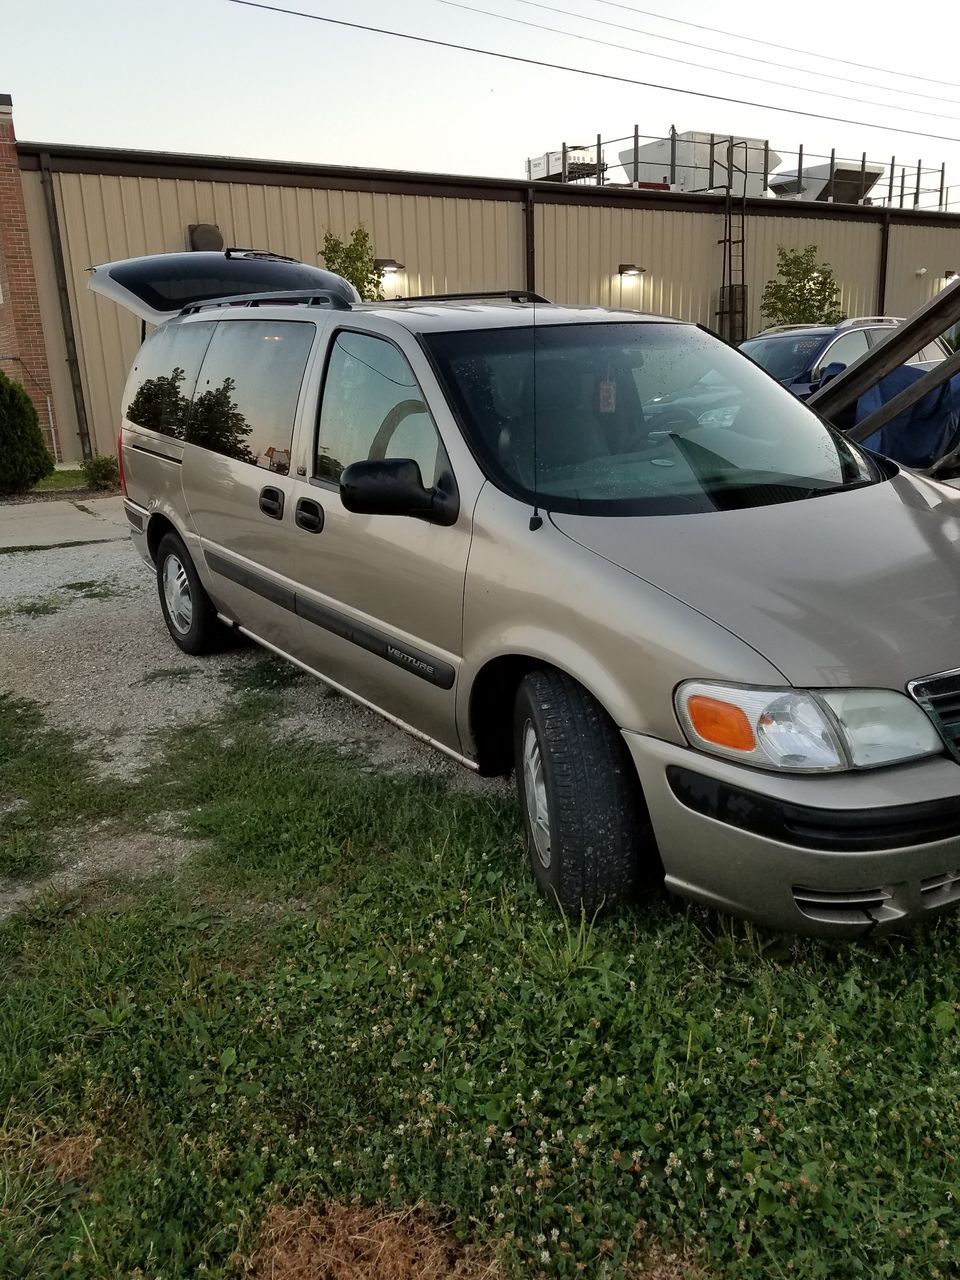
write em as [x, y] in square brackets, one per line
[160, 404]
[24, 458]
[354, 260]
[805, 292]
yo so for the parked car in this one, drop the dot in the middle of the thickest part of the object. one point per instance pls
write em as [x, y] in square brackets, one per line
[798, 355]
[720, 654]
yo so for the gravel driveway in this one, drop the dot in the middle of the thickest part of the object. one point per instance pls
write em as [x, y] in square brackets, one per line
[82, 635]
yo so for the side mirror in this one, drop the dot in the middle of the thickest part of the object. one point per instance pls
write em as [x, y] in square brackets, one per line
[834, 368]
[394, 487]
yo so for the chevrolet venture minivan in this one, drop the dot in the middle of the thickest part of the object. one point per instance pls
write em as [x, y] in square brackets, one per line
[720, 649]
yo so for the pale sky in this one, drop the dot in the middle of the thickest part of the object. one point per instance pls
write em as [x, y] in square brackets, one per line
[212, 77]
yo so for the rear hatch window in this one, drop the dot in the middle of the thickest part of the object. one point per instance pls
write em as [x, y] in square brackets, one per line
[157, 287]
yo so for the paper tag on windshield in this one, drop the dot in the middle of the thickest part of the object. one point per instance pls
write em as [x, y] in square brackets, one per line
[608, 396]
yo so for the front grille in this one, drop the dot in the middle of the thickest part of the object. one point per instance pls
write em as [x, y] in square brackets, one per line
[940, 698]
[937, 891]
[843, 906]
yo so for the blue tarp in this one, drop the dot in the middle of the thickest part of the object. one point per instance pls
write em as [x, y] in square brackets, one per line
[922, 435]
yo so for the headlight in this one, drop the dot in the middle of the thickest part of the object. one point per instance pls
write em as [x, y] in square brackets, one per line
[805, 731]
[722, 417]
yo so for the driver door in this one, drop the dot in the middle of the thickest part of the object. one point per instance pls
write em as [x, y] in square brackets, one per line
[380, 597]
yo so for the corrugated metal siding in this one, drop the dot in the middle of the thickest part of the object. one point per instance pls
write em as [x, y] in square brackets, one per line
[579, 248]
[851, 248]
[42, 253]
[447, 245]
[912, 248]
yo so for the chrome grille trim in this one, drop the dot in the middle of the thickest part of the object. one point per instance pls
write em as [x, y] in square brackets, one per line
[939, 696]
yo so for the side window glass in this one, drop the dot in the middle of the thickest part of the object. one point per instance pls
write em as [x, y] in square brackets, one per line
[845, 350]
[246, 396]
[160, 386]
[373, 408]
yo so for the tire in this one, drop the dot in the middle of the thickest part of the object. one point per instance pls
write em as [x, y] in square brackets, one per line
[187, 609]
[589, 838]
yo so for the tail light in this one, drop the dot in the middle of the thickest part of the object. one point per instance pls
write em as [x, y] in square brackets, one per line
[123, 478]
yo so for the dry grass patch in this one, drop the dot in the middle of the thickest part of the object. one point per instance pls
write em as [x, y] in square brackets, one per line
[334, 1241]
[34, 1146]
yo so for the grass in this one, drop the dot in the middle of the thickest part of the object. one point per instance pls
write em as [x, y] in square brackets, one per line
[353, 991]
[66, 479]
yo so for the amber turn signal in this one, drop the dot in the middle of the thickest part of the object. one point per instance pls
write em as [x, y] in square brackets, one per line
[720, 723]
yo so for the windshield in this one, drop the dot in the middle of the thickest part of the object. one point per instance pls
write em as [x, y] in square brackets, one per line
[636, 418]
[785, 357]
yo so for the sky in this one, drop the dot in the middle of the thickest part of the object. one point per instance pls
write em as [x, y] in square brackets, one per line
[212, 77]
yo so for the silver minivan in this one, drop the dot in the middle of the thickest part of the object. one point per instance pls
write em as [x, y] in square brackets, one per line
[718, 642]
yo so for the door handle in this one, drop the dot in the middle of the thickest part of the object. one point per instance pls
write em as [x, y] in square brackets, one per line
[309, 515]
[271, 502]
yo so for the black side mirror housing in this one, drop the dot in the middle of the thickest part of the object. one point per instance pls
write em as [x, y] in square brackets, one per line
[394, 487]
[833, 369]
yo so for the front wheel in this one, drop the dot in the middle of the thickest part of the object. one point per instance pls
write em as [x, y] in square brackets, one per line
[187, 609]
[588, 835]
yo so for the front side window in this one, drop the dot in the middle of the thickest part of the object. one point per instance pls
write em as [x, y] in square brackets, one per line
[161, 383]
[636, 418]
[847, 348]
[373, 408]
[245, 402]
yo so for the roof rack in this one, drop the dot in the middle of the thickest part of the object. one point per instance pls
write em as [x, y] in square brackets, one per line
[283, 297]
[852, 320]
[784, 328]
[515, 295]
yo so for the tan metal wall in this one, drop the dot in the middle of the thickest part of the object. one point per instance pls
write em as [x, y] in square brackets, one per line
[447, 245]
[851, 248]
[911, 249]
[580, 247]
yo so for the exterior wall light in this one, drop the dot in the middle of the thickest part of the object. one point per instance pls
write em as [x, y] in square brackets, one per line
[388, 266]
[950, 274]
[630, 269]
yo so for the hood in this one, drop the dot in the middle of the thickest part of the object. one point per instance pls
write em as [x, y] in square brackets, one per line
[855, 588]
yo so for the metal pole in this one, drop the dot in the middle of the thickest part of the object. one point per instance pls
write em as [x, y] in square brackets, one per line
[636, 153]
[599, 162]
[943, 185]
[712, 141]
[833, 172]
[766, 164]
[863, 177]
[916, 194]
[893, 165]
[903, 185]
[673, 154]
[563, 162]
[800, 172]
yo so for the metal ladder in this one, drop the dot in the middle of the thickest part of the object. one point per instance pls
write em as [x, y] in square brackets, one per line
[732, 311]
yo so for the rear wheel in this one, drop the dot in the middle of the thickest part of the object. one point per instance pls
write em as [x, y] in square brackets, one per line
[589, 839]
[187, 609]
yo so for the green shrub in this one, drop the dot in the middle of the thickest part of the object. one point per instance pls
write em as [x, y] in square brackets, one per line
[101, 471]
[24, 458]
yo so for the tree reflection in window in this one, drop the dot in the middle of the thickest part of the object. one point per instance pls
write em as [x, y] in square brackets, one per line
[216, 423]
[160, 405]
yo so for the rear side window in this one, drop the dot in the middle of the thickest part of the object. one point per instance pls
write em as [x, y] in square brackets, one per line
[246, 396]
[160, 386]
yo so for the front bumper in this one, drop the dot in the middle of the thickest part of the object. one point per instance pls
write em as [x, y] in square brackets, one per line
[831, 855]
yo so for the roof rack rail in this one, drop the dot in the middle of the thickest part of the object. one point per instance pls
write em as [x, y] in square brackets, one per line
[515, 295]
[257, 253]
[852, 320]
[784, 328]
[282, 297]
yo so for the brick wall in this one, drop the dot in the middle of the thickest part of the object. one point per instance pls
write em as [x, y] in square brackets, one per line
[21, 332]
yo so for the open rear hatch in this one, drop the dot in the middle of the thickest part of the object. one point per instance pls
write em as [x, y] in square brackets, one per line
[159, 286]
